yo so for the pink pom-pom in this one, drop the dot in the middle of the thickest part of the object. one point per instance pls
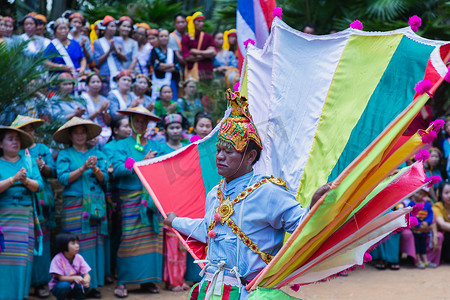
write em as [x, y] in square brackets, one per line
[217, 217]
[437, 124]
[422, 155]
[447, 76]
[195, 138]
[295, 287]
[415, 22]
[277, 12]
[144, 203]
[423, 86]
[85, 215]
[432, 180]
[429, 137]
[129, 163]
[413, 221]
[367, 257]
[249, 41]
[212, 234]
[236, 87]
[416, 208]
[356, 25]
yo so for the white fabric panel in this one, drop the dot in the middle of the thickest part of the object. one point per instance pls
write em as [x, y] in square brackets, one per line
[298, 96]
[259, 76]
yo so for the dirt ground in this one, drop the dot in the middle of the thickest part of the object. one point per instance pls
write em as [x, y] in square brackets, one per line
[369, 283]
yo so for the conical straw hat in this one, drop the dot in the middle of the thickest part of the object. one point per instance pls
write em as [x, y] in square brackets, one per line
[62, 134]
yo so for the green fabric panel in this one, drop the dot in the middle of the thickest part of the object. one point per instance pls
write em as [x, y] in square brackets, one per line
[202, 292]
[206, 153]
[393, 94]
[269, 294]
[331, 206]
[363, 62]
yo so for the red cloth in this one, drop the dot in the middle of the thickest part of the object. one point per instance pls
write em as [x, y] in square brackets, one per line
[205, 67]
[174, 259]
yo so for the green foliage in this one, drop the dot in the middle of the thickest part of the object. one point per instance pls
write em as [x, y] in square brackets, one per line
[21, 78]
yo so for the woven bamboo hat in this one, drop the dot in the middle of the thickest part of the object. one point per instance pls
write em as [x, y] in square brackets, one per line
[62, 134]
[139, 110]
[22, 121]
[25, 139]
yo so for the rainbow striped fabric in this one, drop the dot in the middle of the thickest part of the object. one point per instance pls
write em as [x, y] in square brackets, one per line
[328, 108]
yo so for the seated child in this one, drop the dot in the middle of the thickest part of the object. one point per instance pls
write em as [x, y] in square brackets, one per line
[69, 269]
[423, 229]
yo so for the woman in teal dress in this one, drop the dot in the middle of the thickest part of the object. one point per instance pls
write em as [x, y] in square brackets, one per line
[82, 172]
[45, 207]
[121, 129]
[139, 258]
[19, 179]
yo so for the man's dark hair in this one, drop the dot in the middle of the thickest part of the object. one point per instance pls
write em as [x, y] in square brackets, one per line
[179, 15]
[253, 146]
[63, 239]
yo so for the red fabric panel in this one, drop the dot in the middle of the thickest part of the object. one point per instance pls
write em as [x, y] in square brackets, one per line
[177, 183]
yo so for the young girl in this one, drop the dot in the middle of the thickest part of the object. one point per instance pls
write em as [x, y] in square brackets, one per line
[69, 270]
[203, 124]
[432, 168]
[423, 229]
[441, 211]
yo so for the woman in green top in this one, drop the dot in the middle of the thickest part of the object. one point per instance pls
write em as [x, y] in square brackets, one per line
[165, 105]
[46, 202]
[82, 172]
[19, 179]
[139, 258]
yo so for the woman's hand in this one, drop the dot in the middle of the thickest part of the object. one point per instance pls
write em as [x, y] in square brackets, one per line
[21, 175]
[79, 111]
[89, 163]
[172, 108]
[105, 105]
[112, 46]
[151, 106]
[150, 154]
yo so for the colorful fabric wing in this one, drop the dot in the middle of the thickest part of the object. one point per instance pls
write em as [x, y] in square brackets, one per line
[327, 108]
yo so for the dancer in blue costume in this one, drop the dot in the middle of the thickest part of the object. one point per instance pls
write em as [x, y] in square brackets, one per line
[82, 172]
[19, 179]
[246, 214]
[46, 202]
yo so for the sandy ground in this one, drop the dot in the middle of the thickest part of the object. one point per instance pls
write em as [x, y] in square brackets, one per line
[369, 283]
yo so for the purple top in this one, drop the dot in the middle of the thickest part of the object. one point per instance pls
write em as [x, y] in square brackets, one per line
[60, 265]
